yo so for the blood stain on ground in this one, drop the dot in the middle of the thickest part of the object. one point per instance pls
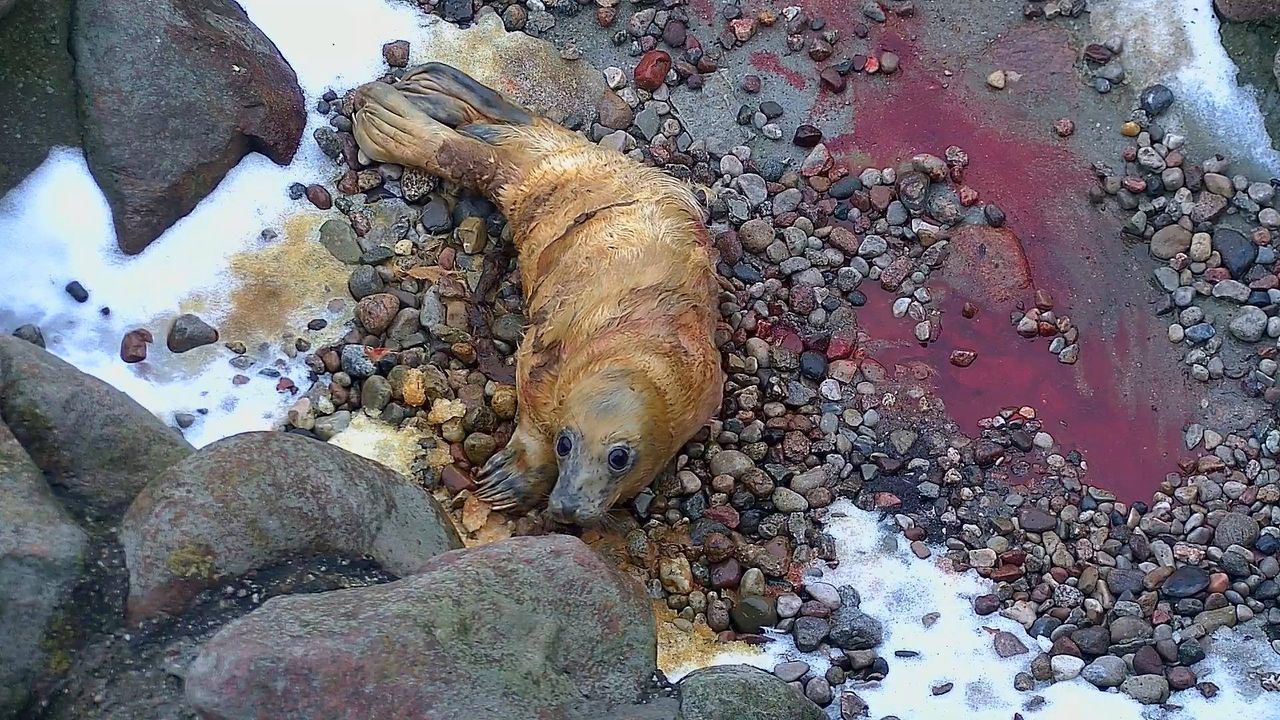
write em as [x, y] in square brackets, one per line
[769, 63]
[1122, 417]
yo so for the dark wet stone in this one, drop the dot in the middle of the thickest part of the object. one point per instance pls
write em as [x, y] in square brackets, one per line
[813, 365]
[1044, 626]
[1156, 99]
[189, 332]
[1035, 520]
[807, 136]
[1238, 252]
[845, 187]
[751, 614]
[747, 273]
[77, 292]
[809, 632]
[1190, 652]
[1092, 641]
[1185, 582]
[1120, 581]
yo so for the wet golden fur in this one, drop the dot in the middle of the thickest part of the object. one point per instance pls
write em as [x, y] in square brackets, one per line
[618, 278]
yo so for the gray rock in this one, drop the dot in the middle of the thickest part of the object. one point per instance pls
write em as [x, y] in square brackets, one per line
[96, 446]
[731, 462]
[330, 425]
[1125, 629]
[1147, 689]
[789, 501]
[1231, 290]
[526, 628]
[852, 629]
[1107, 671]
[1169, 241]
[741, 692]
[809, 632]
[255, 499]
[41, 552]
[340, 240]
[1236, 528]
[158, 142]
[1249, 324]
[37, 90]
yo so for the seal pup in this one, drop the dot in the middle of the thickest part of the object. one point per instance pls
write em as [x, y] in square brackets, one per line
[618, 367]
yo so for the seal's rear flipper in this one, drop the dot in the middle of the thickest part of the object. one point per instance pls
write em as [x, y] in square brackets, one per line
[457, 99]
[390, 127]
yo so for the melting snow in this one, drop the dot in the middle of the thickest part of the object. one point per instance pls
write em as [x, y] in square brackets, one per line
[899, 589]
[1177, 44]
[214, 262]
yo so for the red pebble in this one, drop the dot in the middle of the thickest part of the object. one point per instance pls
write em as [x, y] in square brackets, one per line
[652, 70]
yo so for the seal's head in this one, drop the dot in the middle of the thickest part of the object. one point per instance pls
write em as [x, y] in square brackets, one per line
[611, 445]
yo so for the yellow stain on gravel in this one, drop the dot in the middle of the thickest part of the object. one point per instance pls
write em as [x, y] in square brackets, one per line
[283, 283]
[373, 439]
[681, 652]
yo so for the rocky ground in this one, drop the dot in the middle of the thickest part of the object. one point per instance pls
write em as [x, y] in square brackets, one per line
[1126, 589]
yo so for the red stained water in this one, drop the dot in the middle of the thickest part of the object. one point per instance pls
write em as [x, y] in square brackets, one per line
[768, 63]
[1113, 405]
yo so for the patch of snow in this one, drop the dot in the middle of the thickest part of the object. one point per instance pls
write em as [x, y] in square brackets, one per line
[899, 590]
[1177, 44]
[57, 228]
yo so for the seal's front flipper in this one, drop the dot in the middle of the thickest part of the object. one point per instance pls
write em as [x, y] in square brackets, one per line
[456, 99]
[516, 477]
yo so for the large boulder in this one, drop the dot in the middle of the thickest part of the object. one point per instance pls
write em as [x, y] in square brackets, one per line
[742, 692]
[1248, 10]
[253, 500]
[172, 95]
[96, 446]
[523, 629]
[41, 551]
[37, 92]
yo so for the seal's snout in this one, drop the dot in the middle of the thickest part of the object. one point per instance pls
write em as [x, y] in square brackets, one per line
[564, 511]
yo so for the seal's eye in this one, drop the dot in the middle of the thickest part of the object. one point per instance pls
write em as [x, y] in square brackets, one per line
[619, 458]
[563, 445]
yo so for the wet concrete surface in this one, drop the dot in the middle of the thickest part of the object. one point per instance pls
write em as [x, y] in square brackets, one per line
[1125, 403]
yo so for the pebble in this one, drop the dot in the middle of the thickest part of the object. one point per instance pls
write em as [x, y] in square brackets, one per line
[1155, 99]
[133, 346]
[77, 291]
[1066, 667]
[189, 332]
